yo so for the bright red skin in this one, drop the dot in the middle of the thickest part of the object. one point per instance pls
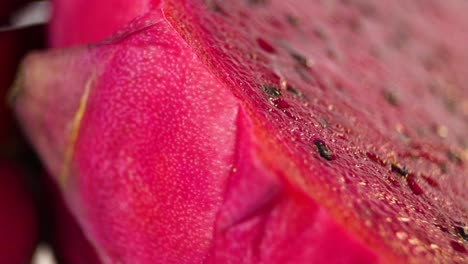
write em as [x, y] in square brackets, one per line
[90, 21]
[18, 221]
[182, 158]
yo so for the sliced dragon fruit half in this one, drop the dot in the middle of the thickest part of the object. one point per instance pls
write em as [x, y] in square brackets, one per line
[263, 132]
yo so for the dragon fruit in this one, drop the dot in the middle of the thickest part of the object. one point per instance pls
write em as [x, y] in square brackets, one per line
[18, 224]
[263, 132]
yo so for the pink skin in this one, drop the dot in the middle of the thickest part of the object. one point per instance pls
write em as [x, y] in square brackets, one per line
[18, 221]
[168, 149]
[90, 21]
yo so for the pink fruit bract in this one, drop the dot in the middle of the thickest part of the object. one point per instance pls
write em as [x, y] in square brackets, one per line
[18, 221]
[86, 21]
[263, 132]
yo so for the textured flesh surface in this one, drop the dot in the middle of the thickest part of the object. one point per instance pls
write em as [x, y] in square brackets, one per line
[382, 86]
[18, 226]
[90, 21]
[255, 142]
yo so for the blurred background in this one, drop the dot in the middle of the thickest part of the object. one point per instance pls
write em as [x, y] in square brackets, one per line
[27, 225]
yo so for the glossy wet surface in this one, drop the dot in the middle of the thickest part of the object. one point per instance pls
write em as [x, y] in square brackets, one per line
[369, 100]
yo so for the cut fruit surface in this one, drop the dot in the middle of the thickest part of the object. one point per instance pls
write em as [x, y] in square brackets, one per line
[361, 98]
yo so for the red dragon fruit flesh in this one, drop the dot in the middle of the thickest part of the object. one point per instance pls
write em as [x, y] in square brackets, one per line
[262, 131]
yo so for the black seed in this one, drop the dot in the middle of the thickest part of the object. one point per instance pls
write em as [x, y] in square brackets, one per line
[271, 90]
[214, 6]
[454, 157]
[450, 105]
[443, 167]
[292, 20]
[462, 232]
[256, 2]
[293, 90]
[391, 98]
[300, 59]
[402, 170]
[323, 150]
[320, 33]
